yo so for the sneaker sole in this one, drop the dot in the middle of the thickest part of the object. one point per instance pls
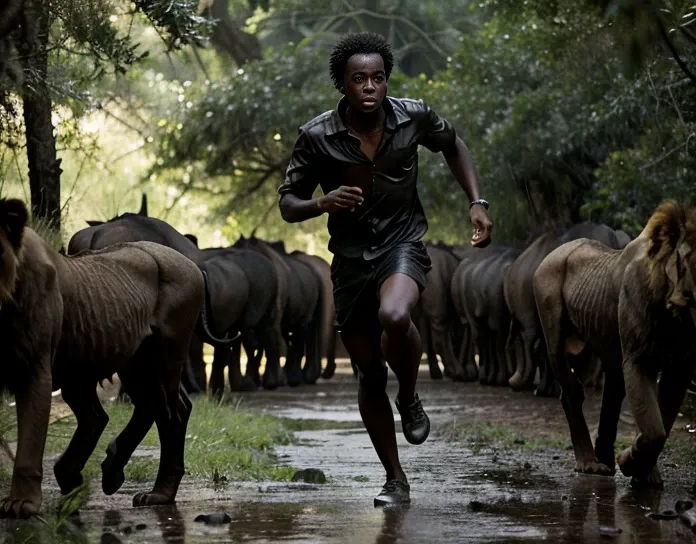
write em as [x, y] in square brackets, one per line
[380, 502]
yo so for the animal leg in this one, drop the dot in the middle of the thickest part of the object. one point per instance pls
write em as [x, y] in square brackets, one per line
[33, 408]
[238, 382]
[312, 366]
[217, 376]
[466, 354]
[121, 448]
[91, 421]
[492, 356]
[172, 434]
[553, 321]
[548, 386]
[442, 339]
[639, 459]
[293, 361]
[271, 346]
[501, 377]
[431, 353]
[330, 369]
[525, 380]
[198, 363]
[513, 342]
[612, 398]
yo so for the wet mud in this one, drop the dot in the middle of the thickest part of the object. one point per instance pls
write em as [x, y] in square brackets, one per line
[460, 492]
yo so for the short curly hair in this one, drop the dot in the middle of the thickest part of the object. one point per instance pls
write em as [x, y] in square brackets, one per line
[356, 44]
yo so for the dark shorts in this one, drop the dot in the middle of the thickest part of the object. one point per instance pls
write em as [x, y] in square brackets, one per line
[356, 282]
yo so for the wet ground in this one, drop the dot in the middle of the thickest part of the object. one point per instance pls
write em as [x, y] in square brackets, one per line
[460, 493]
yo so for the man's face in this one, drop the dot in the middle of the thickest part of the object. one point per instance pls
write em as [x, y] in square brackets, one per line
[365, 82]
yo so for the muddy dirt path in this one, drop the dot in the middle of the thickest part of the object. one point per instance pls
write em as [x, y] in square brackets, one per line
[461, 492]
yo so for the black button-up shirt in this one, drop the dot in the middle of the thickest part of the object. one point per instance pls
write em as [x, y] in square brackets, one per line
[327, 154]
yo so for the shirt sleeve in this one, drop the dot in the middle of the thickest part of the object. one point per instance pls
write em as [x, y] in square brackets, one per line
[300, 175]
[437, 134]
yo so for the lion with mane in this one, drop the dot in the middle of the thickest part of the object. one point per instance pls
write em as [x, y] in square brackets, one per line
[634, 308]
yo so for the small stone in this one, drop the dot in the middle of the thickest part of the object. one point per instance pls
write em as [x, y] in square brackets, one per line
[609, 531]
[216, 518]
[519, 441]
[564, 498]
[310, 476]
[475, 506]
[140, 527]
[556, 457]
[127, 530]
[527, 466]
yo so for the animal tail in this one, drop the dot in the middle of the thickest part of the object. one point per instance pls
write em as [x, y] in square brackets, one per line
[202, 327]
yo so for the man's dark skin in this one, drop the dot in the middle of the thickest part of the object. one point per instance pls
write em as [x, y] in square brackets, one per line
[390, 333]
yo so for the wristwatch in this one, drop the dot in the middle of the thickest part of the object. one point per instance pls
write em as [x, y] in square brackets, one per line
[480, 201]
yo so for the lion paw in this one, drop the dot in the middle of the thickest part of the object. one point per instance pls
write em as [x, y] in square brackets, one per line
[651, 481]
[594, 467]
[626, 462]
[151, 499]
[18, 508]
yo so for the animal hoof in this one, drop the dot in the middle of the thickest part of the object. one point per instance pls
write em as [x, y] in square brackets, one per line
[271, 379]
[594, 467]
[18, 508]
[310, 377]
[329, 372]
[67, 479]
[293, 379]
[516, 381]
[112, 476]
[151, 499]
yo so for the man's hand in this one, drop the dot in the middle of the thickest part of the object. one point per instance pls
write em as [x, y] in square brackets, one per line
[343, 198]
[482, 226]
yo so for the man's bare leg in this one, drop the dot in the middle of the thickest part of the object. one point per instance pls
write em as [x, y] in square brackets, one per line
[362, 341]
[402, 348]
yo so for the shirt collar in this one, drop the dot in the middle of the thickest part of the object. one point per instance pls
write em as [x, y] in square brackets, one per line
[395, 116]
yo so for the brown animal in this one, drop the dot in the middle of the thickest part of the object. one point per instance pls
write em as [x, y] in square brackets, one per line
[634, 308]
[69, 322]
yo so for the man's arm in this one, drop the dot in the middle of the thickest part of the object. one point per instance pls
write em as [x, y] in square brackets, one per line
[461, 164]
[439, 136]
[294, 209]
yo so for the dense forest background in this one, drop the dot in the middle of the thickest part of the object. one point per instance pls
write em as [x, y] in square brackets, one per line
[573, 110]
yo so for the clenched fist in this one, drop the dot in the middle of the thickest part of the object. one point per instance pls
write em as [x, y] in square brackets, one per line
[343, 198]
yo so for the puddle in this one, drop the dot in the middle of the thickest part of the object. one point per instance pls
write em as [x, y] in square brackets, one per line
[458, 494]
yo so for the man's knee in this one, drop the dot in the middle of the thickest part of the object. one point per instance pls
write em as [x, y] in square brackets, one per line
[394, 318]
[372, 379]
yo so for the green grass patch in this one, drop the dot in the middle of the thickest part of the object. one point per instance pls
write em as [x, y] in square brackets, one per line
[224, 442]
[479, 435]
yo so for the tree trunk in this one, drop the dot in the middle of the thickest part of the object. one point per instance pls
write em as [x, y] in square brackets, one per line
[229, 39]
[44, 167]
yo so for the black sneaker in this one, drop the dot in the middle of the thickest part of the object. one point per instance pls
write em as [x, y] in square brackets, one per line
[414, 421]
[394, 492]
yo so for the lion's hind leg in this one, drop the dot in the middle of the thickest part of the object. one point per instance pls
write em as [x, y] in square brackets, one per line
[82, 399]
[172, 435]
[548, 291]
[121, 448]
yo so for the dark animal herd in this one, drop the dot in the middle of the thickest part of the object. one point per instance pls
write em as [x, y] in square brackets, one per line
[477, 304]
[574, 307]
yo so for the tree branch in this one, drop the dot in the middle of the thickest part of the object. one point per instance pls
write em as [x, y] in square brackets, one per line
[673, 50]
